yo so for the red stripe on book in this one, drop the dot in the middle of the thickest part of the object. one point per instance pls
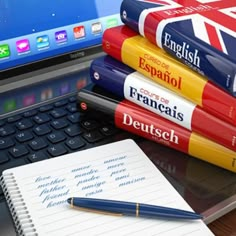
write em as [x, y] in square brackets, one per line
[226, 105]
[213, 36]
[213, 128]
[151, 22]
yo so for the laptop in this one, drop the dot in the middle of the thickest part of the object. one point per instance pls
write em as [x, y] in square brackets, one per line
[45, 53]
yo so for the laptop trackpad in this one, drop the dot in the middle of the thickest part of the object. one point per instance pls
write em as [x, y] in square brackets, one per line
[6, 223]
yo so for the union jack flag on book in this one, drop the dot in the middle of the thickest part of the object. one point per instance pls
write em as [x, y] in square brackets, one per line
[199, 33]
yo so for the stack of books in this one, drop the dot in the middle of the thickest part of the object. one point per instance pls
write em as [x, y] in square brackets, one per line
[170, 76]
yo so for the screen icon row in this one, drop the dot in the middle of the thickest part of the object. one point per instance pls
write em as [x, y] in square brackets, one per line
[43, 41]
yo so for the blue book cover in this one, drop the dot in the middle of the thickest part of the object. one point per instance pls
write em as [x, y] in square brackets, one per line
[201, 34]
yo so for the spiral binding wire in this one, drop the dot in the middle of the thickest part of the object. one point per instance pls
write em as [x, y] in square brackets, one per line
[23, 222]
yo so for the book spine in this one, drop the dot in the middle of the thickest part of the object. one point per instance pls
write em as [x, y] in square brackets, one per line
[138, 89]
[137, 120]
[160, 28]
[127, 46]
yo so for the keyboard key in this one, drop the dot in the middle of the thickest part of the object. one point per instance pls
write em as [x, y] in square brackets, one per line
[58, 113]
[6, 130]
[46, 108]
[18, 151]
[38, 144]
[72, 99]
[73, 130]
[41, 118]
[24, 136]
[24, 124]
[42, 130]
[89, 124]
[75, 143]
[74, 118]
[37, 156]
[93, 136]
[56, 150]
[108, 130]
[60, 103]
[72, 108]
[13, 119]
[30, 113]
[59, 124]
[56, 137]
[6, 143]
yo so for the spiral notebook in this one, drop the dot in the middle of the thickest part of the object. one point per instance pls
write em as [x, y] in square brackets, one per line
[37, 194]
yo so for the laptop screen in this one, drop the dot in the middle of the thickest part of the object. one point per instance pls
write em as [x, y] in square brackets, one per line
[38, 38]
[38, 31]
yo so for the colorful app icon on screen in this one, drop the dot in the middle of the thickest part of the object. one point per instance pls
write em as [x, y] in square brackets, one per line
[46, 94]
[79, 32]
[96, 27]
[23, 45]
[61, 36]
[9, 105]
[64, 89]
[28, 100]
[4, 51]
[82, 82]
[42, 41]
[112, 22]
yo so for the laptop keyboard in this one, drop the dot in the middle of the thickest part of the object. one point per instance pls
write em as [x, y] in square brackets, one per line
[50, 131]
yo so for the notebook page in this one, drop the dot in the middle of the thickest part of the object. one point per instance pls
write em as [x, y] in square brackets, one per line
[118, 171]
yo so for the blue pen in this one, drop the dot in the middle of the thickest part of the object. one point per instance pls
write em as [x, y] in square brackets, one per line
[130, 208]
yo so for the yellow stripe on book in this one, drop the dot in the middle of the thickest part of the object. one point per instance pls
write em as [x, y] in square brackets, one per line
[153, 62]
[212, 152]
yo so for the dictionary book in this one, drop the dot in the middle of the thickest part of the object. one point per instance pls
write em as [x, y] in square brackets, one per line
[37, 194]
[139, 121]
[135, 87]
[127, 46]
[201, 34]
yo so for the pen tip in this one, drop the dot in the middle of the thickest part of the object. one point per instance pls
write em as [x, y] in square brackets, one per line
[69, 200]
